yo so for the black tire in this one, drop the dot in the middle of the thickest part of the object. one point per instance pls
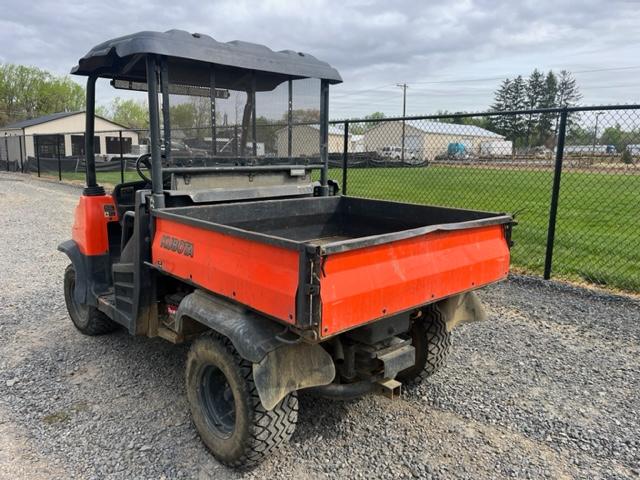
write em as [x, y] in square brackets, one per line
[226, 409]
[87, 319]
[432, 341]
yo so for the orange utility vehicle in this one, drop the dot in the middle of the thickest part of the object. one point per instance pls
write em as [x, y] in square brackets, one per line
[278, 282]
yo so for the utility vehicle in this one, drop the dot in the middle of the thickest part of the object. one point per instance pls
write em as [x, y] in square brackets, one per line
[277, 281]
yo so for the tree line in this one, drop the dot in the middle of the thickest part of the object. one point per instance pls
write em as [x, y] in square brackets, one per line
[538, 91]
[29, 92]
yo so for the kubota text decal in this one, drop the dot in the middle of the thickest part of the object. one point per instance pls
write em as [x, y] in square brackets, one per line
[176, 245]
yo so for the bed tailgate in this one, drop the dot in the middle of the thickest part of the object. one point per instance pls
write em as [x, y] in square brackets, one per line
[364, 284]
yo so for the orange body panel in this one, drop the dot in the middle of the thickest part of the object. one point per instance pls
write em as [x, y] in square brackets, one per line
[262, 276]
[89, 231]
[361, 285]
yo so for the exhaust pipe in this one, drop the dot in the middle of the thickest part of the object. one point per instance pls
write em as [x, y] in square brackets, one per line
[343, 391]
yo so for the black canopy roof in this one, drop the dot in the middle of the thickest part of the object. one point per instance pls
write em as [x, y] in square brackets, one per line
[190, 57]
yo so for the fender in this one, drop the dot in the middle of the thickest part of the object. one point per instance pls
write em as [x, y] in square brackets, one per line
[279, 366]
[71, 249]
[252, 336]
[92, 273]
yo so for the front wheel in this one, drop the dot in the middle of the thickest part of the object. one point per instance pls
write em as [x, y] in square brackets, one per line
[432, 341]
[89, 320]
[226, 408]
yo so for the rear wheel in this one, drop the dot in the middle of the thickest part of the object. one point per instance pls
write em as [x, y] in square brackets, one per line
[89, 320]
[226, 408]
[432, 341]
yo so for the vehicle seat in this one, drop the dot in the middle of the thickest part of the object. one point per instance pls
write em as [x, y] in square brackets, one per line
[124, 195]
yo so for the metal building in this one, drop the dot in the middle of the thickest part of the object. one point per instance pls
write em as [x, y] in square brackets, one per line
[62, 133]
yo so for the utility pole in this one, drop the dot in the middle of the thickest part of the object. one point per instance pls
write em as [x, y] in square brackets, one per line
[404, 114]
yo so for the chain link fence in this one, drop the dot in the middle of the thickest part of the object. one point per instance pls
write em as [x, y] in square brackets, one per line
[571, 176]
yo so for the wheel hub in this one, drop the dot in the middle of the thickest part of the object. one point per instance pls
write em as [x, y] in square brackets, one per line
[218, 401]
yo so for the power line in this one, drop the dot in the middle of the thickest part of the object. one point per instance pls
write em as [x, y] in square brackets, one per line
[483, 79]
[478, 79]
[354, 92]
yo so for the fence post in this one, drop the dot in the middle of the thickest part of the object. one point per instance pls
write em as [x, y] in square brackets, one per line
[235, 140]
[58, 157]
[555, 193]
[6, 150]
[20, 140]
[35, 137]
[121, 158]
[345, 157]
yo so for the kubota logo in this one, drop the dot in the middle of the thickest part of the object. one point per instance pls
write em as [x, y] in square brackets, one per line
[176, 245]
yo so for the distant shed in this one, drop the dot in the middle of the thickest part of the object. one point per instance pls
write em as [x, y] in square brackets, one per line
[427, 139]
[305, 140]
[63, 132]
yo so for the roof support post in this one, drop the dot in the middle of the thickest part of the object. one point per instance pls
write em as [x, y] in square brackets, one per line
[324, 137]
[166, 110]
[253, 115]
[154, 132]
[212, 99]
[290, 120]
[92, 188]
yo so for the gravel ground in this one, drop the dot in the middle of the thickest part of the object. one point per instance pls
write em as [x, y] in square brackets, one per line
[547, 388]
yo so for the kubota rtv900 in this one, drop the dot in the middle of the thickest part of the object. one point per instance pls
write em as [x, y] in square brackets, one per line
[278, 281]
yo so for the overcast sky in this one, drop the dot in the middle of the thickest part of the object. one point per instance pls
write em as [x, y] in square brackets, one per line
[451, 54]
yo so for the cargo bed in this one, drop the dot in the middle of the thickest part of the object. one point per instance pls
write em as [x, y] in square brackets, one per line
[332, 263]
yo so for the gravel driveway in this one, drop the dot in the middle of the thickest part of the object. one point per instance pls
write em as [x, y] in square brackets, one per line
[548, 387]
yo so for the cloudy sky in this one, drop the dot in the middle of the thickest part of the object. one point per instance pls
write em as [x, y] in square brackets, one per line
[451, 54]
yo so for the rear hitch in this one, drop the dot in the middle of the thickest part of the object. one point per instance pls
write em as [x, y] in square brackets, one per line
[390, 388]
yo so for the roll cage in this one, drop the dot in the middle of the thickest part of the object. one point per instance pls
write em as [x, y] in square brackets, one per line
[178, 62]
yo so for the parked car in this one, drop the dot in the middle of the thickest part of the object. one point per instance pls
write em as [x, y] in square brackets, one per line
[395, 153]
[590, 149]
[633, 149]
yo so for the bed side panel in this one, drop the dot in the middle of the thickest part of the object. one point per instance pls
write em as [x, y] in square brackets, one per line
[261, 276]
[365, 284]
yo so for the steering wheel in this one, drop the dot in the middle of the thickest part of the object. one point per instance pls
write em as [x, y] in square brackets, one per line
[143, 160]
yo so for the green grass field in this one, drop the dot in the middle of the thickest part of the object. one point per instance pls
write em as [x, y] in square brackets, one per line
[598, 229]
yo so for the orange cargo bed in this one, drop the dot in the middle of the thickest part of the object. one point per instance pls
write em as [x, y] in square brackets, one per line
[331, 264]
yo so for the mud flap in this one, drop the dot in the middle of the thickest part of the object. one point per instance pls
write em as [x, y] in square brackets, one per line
[463, 308]
[290, 368]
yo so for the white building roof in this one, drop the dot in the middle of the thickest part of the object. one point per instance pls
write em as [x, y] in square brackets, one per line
[429, 126]
[37, 121]
[333, 129]
[52, 117]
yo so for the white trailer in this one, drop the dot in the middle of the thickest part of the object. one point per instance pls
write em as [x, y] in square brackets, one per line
[496, 148]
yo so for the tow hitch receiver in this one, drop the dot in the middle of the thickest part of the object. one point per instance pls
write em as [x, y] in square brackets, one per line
[391, 356]
[390, 388]
[397, 357]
